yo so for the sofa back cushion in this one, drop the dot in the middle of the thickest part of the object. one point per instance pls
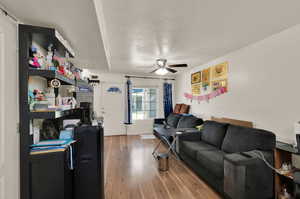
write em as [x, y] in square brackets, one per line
[213, 133]
[172, 120]
[189, 121]
[242, 139]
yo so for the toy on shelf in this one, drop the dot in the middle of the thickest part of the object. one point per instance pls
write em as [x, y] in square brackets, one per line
[54, 62]
[61, 70]
[37, 100]
[49, 63]
[34, 62]
[39, 95]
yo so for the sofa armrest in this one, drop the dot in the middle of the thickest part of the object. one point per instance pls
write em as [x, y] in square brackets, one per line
[247, 176]
[159, 121]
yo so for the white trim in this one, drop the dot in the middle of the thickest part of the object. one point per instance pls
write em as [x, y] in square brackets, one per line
[2, 100]
[102, 24]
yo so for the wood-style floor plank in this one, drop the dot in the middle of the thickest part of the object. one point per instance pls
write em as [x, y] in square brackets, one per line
[131, 173]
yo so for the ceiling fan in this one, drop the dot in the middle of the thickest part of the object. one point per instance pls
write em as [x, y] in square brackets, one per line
[163, 68]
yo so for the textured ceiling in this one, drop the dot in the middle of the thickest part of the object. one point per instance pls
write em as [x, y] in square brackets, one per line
[136, 32]
[76, 20]
[127, 36]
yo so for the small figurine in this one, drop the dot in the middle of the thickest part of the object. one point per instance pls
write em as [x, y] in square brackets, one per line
[61, 70]
[38, 95]
[41, 60]
[34, 62]
[49, 63]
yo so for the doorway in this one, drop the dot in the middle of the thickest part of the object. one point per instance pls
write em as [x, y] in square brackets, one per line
[111, 107]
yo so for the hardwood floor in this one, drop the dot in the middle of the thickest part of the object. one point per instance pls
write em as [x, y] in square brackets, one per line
[131, 173]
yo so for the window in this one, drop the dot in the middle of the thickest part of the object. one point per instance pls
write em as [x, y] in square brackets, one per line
[144, 103]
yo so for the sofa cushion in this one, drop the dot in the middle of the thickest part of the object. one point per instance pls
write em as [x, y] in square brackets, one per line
[242, 139]
[214, 132]
[172, 120]
[213, 161]
[189, 121]
[191, 148]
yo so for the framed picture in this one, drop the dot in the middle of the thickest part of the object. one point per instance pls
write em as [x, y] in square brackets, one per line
[196, 78]
[219, 84]
[220, 71]
[206, 77]
[196, 89]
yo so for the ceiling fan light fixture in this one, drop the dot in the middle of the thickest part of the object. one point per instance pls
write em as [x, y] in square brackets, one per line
[161, 62]
[161, 71]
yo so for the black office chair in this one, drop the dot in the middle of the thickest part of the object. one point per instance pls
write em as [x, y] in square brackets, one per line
[297, 184]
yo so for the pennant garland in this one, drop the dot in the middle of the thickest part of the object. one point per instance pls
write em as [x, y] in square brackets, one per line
[206, 97]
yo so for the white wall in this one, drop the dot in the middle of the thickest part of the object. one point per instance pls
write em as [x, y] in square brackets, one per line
[9, 110]
[138, 126]
[264, 85]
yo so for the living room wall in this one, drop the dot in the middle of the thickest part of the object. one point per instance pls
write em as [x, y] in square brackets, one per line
[263, 82]
[138, 126]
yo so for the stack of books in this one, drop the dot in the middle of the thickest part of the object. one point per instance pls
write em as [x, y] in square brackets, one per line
[50, 146]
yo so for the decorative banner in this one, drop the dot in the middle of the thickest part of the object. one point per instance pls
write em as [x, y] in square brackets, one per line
[206, 97]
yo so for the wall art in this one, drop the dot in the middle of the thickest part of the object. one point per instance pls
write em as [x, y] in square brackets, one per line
[196, 89]
[196, 78]
[219, 84]
[220, 71]
[114, 90]
[206, 77]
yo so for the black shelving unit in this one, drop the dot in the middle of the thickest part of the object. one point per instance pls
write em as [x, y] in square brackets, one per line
[48, 74]
[51, 114]
[82, 83]
[43, 37]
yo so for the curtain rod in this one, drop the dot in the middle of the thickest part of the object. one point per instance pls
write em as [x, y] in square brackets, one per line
[141, 77]
[8, 15]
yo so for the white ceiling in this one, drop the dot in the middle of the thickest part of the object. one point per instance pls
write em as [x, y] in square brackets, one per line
[76, 20]
[187, 31]
[136, 32]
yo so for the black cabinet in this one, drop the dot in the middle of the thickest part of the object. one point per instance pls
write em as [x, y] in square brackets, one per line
[89, 169]
[51, 176]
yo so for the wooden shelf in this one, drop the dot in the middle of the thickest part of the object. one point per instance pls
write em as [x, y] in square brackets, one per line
[49, 75]
[289, 175]
[50, 114]
[283, 154]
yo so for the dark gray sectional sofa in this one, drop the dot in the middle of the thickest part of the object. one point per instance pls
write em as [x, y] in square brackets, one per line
[228, 157]
[175, 122]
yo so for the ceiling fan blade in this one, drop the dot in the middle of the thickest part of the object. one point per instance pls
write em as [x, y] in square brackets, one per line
[178, 65]
[171, 70]
[145, 67]
[154, 70]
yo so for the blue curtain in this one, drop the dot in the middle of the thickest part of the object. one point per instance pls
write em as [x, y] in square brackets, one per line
[128, 102]
[168, 102]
